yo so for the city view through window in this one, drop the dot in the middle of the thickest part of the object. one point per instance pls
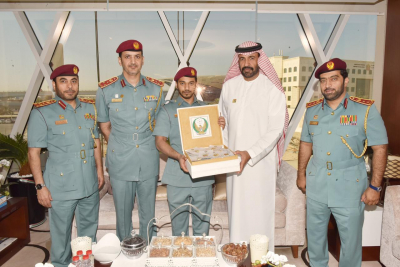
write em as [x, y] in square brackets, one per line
[281, 35]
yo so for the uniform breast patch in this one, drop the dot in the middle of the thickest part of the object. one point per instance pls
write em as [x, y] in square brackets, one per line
[149, 98]
[89, 116]
[61, 122]
[348, 120]
[313, 122]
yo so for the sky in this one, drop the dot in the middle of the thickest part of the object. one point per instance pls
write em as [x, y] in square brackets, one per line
[212, 55]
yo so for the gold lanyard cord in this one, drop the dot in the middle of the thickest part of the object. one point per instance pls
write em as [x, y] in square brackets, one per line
[366, 140]
[94, 126]
[155, 110]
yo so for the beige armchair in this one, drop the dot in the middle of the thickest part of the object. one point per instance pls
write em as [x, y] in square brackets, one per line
[390, 238]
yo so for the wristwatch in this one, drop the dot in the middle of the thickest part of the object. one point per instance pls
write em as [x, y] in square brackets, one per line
[39, 186]
[378, 189]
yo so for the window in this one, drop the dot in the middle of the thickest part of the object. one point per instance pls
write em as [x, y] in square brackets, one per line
[359, 71]
[303, 78]
[310, 69]
[288, 106]
[303, 68]
[290, 79]
[284, 88]
[352, 89]
[289, 98]
[370, 71]
[295, 78]
[353, 71]
[284, 70]
[284, 79]
[289, 88]
[348, 70]
[364, 71]
[353, 80]
[295, 69]
[290, 69]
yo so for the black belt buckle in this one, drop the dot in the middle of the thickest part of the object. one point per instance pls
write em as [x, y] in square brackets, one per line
[329, 165]
[83, 156]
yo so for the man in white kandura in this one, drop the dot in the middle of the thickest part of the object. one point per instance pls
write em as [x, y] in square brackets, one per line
[254, 106]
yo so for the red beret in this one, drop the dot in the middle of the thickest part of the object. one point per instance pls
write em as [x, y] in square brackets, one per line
[130, 45]
[331, 65]
[65, 70]
[187, 71]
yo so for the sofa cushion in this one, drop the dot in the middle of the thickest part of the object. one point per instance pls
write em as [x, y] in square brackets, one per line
[280, 220]
[280, 201]
[161, 193]
[220, 187]
[105, 187]
[396, 247]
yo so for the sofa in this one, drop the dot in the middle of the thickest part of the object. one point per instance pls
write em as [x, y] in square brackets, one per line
[390, 237]
[289, 215]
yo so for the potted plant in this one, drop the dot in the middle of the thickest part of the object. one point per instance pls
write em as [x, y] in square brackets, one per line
[16, 149]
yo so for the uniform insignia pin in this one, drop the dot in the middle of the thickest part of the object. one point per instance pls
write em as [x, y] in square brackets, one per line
[61, 117]
[122, 96]
[116, 95]
[234, 101]
[176, 115]
[315, 117]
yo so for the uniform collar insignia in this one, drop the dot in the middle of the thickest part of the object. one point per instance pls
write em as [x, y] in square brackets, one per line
[144, 81]
[123, 84]
[346, 101]
[62, 104]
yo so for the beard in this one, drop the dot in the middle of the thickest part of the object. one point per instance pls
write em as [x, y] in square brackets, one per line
[335, 93]
[187, 94]
[251, 73]
[67, 95]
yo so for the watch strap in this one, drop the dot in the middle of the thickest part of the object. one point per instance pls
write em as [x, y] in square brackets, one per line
[378, 189]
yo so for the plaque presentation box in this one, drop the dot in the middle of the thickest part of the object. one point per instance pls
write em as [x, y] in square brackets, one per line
[199, 128]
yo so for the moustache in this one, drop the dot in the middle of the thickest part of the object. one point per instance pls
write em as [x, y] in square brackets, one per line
[250, 68]
[133, 65]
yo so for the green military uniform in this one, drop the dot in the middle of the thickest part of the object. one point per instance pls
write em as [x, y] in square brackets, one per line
[336, 178]
[181, 188]
[132, 158]
[71, 174]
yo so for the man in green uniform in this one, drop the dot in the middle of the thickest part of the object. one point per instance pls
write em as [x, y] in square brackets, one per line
[67, 127]
[127, 106]
[337, 130]
[181, 188]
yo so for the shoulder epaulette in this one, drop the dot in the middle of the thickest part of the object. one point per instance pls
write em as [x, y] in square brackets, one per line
[44, 103]
[87, 100]
[155, 81]
[367, 102]
[108, 82]
[314, 103]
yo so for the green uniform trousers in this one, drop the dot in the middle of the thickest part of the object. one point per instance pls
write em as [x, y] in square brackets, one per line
[200, 197]
[349, 221]
[61, 213]
[124, 199]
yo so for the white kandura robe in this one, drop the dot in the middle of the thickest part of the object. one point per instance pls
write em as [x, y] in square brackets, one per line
[255, 116]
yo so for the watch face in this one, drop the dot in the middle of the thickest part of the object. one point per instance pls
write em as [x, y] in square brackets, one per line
[38, 186]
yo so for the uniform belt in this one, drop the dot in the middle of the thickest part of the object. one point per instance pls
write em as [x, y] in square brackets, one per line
[132, 136]
[335, 165]
[68, 155]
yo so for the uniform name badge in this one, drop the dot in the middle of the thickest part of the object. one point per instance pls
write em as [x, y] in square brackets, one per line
[61, 122]
[313, 122]
[116, 100]
[200, 126]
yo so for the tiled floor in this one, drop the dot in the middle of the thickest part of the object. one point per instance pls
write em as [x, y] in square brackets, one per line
[29, 256]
